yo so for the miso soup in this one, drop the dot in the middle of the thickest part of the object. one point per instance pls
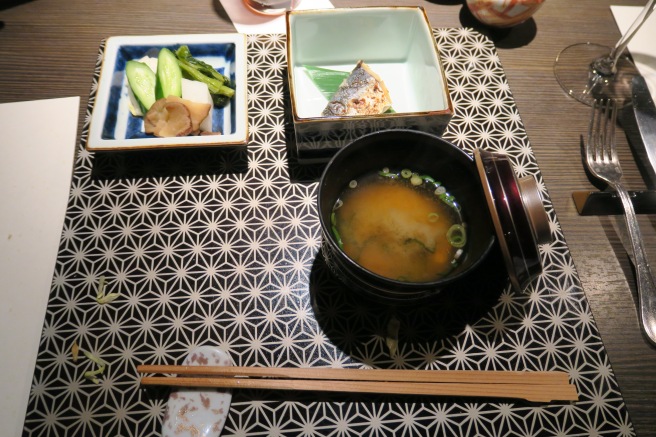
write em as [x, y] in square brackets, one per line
[400, 225]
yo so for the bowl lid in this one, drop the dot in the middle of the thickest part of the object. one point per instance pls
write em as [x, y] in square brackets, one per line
[518, 215]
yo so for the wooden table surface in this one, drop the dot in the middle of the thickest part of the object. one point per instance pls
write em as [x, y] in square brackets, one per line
[48, 49]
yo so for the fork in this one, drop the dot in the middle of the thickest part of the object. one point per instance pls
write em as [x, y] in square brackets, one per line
[602, 161]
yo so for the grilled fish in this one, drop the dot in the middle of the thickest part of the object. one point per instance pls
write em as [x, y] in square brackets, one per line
[362, 93]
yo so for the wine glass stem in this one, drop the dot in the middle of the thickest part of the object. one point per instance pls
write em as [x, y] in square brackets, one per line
[626, 38]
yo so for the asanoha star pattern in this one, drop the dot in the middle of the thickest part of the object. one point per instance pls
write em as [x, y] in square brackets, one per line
[221, 247]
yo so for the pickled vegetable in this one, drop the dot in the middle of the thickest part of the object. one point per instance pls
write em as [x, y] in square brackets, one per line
[142, 81]
[169, 75]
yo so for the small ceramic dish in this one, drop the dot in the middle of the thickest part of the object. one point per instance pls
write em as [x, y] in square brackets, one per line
[503, 13]
[399, 46]
[113, 127]
[198, 412]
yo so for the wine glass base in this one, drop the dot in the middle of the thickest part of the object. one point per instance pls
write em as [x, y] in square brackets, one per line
[573, 72]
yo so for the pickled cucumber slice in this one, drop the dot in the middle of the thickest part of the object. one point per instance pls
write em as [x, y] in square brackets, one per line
[169, 75]
[142, 82]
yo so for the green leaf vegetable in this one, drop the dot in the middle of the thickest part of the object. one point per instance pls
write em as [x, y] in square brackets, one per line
[220, 86]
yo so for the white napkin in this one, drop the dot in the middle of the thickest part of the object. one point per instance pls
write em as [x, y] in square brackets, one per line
[247, 21]
[37, 141]
[643, 44]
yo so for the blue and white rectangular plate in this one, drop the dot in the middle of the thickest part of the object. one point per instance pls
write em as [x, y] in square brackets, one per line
[113, 127]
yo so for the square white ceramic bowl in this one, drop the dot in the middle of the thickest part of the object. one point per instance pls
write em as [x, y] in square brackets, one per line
[396, 42]
[113, 127]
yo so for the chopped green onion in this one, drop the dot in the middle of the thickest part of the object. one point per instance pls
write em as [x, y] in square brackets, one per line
[449, 200]
[75, 351]
[406, 173]
[386, 170]
[433, 217]
[98, 371]
[428, 179]
[416, 180]
[440, 190]
[333, 218]
[91, 374]
[353, 184]
[456, 236]
[388, 174]
[102, 283]
[91, 377]
[107, 298]
[338, 238]
[101, 297]
[94, 358]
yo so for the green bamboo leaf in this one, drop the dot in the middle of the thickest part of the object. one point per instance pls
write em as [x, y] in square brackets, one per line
[326, 80]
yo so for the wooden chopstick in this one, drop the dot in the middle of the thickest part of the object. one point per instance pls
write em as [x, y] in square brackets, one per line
[529, 392]
[531, 386]
[400, 375]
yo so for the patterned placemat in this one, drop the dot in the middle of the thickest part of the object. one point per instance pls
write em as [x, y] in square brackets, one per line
[221, 247]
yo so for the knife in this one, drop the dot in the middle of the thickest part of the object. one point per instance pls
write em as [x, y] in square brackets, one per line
[645, 115]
